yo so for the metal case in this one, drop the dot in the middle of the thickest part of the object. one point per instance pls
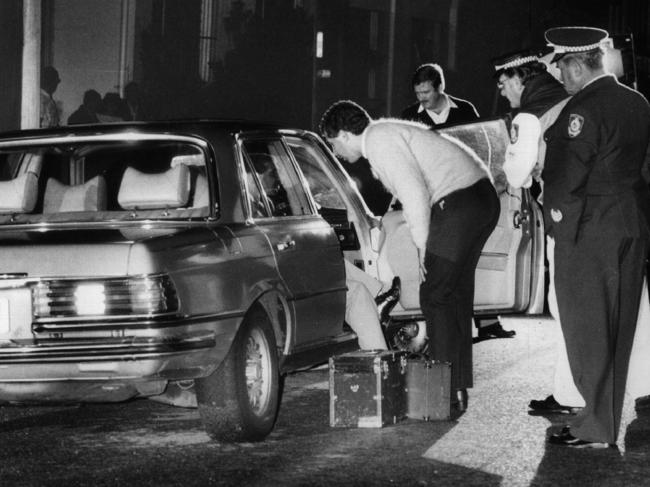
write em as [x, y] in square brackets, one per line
[367, 388]
[428, 385]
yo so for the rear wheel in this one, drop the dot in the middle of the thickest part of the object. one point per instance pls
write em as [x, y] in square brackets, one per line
[239, 401]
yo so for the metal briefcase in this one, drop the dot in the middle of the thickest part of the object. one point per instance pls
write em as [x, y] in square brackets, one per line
[428, 385]
[367, 388]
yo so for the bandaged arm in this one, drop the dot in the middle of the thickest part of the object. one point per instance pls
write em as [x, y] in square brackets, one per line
[522, 151]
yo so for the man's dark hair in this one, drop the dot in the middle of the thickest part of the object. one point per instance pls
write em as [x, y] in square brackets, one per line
[49, 78]
[526, 72]
[92, 97]
[429, 72]
[343, 115]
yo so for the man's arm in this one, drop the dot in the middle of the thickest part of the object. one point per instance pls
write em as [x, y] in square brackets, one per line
[393, 161]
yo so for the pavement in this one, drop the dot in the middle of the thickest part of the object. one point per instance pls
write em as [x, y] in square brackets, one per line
[497, 436]
[494, 443]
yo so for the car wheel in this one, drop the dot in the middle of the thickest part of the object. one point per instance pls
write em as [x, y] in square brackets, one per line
[239, 401]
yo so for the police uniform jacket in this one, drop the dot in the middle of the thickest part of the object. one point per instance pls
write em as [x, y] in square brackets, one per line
[592, 171]
[463, 112]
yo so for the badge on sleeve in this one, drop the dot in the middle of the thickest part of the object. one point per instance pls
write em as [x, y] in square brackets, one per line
[514, 133]
[556, 215]
[575, 124]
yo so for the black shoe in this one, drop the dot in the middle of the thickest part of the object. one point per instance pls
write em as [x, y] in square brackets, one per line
[565, 438]
[387, 301]
[550, 406]
[495, 331]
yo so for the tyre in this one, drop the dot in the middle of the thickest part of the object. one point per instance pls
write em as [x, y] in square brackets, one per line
[239, 401]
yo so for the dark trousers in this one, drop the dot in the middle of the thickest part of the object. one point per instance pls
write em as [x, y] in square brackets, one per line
[598, 283]
[460, 225]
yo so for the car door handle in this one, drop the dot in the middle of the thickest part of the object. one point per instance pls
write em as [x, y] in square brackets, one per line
[286, 245]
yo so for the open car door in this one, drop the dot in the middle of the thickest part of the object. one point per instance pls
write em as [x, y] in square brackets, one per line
[510, 271]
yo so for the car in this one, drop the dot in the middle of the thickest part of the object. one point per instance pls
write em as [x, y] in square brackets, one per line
[206, 257]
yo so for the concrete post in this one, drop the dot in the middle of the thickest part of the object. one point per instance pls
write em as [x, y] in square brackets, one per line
[30, 109]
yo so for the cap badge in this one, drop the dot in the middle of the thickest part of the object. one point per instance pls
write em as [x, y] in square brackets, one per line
[556, 215]
[575, 124]
[514, 133]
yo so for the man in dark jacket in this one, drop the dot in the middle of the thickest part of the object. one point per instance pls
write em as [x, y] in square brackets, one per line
[87, 111]
[599, 212]
[435, 107]
[530, 89]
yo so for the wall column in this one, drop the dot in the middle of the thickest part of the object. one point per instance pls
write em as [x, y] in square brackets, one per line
[30, 109]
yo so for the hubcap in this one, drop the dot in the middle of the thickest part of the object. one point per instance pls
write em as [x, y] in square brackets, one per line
[258, 371]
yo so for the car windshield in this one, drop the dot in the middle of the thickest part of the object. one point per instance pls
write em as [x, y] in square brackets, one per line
[99, 180]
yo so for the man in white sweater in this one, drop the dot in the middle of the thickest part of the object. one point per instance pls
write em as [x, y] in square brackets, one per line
[450, 207]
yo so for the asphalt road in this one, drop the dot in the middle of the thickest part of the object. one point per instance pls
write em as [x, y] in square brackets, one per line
[496, 442]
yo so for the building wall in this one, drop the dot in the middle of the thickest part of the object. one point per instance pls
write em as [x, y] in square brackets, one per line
[11, 29]
[85, 49]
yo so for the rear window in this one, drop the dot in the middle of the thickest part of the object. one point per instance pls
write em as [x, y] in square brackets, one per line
[103, 180]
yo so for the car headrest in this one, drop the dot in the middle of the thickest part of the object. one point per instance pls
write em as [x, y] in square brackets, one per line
[90, 196]
[19, 195]
[169, 189]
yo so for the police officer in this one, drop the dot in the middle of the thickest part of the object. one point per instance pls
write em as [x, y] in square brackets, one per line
[598, 210]
[536, 98]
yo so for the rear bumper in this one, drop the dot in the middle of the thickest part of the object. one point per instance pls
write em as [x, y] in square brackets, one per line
[101, 365]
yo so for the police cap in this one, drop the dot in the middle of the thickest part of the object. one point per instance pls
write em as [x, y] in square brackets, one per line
[567, 40]
[517, 58]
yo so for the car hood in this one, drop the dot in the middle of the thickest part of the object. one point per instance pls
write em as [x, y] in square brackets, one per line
[57, 252]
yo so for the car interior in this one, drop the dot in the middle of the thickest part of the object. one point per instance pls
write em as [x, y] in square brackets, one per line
[85, 181]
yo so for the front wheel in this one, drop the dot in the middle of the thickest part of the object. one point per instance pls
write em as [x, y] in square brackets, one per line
[239, 401]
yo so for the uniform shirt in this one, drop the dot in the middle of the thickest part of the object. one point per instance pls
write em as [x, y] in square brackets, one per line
[592, 170]
[420, 167]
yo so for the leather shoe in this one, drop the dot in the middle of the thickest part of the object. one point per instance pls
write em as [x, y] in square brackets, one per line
[387, 301]
[565, 438]
[495, 331]
[550, 406]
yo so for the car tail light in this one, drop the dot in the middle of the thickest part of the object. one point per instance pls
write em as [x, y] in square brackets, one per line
[126, 296]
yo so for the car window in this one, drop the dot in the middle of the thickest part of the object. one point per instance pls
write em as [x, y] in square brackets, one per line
[103, 180]
[309, 159]
[275, 175]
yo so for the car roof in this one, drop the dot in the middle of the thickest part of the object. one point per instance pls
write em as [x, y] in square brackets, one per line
[187, 125]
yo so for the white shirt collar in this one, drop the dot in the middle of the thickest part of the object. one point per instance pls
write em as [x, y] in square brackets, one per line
[441, 117]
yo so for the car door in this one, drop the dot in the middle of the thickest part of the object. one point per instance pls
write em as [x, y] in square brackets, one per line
[307, 252]
[509, 274]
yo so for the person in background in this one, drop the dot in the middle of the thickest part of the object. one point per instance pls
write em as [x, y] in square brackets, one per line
[598, 208]
[87, 111]
[50, 116]
[536, 99]
[450, 206]
[435, 107]
[132, 108]
[111, 108]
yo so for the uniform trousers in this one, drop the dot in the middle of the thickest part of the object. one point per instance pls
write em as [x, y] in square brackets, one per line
[598, 283]
[461, 223]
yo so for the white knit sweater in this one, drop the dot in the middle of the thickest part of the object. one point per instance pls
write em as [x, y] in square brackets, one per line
[420, 167]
